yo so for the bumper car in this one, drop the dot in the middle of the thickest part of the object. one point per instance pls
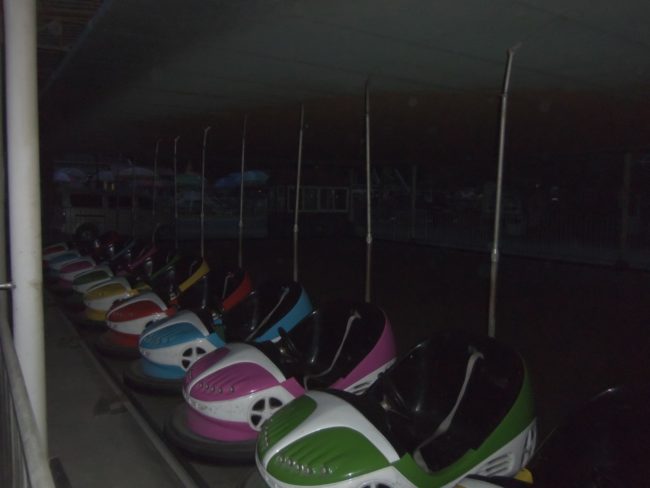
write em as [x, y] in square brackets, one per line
[125, 263]
[137, 272]
[73, 261]
[230, 393]
[115, 259]
[169, 348]
[55, 248]
[59, 258]
[454, 406]
[66, 250]
[55, 251]
[127, 319]
[62, 276]
[203, 304]
[601, 445]
[84, 281]
[99, 299]
[55, 255]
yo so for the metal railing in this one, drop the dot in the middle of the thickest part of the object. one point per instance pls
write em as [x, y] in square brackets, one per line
[23, 462]
[594, 239]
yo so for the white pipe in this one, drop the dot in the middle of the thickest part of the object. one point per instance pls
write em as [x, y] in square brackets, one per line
[205, 138]
[155, 180]
[25, 201]
[154, 191]
[368, 198]
[414, 182]
[241, 194]
[494, 269]
[176, 191]
[133, 179]
[625, 207]
[4, 302]
[296, 209]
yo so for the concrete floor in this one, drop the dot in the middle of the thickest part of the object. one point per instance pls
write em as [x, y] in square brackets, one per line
[580, 328]
[102, 436]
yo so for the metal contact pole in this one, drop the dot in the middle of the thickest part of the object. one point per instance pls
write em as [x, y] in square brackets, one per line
[4, 302]
[132, 199]
[625, 208]
[154, 192]
[296, 209]
[23, 171]
[176, 191]
[205, 138]
[494, 269]
[368, 198]
[414, 183]
[241, 194]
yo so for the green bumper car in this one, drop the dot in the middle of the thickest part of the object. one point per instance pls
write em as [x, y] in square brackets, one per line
[454, 406]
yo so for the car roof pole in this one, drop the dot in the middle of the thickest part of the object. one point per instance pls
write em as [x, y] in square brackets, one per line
[368, 196]
[494, 268]
[154, 189]
[176, 191]
[155, 179]
[133, 178]
[297, 202]
[205, 138]
[241, 193]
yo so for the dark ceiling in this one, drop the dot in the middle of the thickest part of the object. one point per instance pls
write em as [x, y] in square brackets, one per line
[116, 75]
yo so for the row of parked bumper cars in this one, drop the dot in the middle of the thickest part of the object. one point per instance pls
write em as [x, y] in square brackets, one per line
[64, 261]
[114, 258]
[232, 391]
[452, 407]
[168, 349]
[127, 318]
[99, 299]
[65, 250]
[125, 263]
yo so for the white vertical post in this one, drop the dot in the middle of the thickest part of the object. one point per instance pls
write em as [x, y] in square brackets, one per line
[625, 207]
[25, 200]
[154, 190]
[296, 209]
[241, 194]
[205, 138]
[4, 302]
[176, 191]
[414, 182]
[368, 199]
[494, 269]
[133, 180]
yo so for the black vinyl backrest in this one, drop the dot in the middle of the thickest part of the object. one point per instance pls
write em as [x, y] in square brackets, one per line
[410, 401]
[327, 352]
[318, 352]
[166, 285]
[247, 316]
[228, 280]
[491, 391]
[153, 263]
[125, 253]
[208, 292]
[197, 296]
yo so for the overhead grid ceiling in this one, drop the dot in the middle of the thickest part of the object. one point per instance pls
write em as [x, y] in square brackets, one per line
[143, 69]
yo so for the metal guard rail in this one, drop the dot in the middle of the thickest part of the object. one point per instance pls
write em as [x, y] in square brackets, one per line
[24, 458]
